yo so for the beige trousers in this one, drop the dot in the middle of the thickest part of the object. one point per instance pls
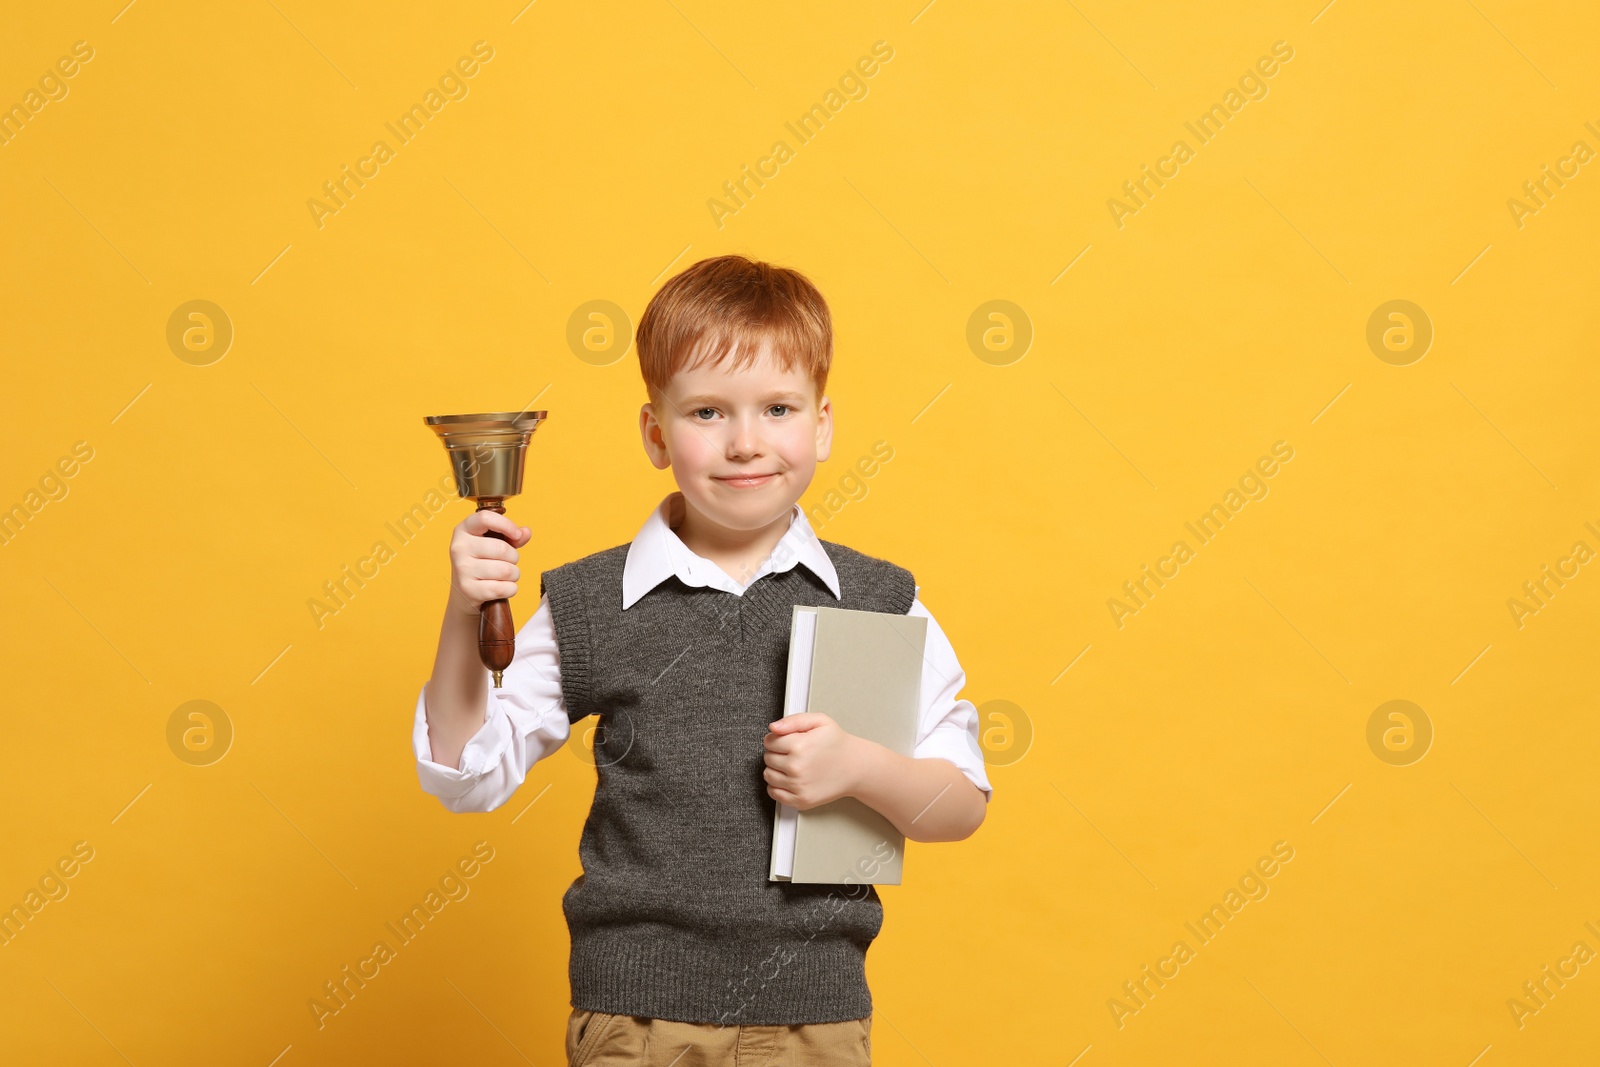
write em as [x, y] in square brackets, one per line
[597, 1039]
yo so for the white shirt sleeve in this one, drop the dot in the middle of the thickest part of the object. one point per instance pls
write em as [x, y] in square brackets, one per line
[949, 725]
[524, 721]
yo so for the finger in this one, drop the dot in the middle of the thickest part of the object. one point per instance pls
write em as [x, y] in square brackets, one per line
[781, 763]
[780, 775]
[490, 570]
[475, 547]
[480, 591]
[465, 544]
[482, 522]
[488, 520]
[805, 720]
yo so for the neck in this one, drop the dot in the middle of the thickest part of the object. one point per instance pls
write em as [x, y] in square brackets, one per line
[738, 552]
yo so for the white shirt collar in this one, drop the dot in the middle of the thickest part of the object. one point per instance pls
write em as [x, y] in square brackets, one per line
[657, 553]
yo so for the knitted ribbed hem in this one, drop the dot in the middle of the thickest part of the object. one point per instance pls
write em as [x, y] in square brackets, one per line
[571, 619]
[662, 973]
[767, 598]
[770, 595]
[903, 593]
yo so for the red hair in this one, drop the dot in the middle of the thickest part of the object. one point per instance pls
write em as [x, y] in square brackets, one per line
[729, 302]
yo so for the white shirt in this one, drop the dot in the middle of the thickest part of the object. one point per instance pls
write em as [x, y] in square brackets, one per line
[526, 719]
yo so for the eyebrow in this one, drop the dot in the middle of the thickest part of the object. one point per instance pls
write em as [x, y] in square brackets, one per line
[700, 399]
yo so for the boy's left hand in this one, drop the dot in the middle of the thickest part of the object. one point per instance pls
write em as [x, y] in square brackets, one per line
[811, 760]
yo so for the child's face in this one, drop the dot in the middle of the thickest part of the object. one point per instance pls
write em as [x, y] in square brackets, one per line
[716, 423]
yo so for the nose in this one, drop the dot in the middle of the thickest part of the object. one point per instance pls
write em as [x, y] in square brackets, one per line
[743, 439]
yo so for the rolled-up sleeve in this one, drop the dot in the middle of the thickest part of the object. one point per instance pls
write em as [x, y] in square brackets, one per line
[524, 721]
[948, 726]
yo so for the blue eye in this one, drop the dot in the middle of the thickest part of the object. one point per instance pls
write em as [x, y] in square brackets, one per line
[783, 406]
[699, 410]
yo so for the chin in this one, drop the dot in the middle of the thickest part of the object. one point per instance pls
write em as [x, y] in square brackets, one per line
[744, 509]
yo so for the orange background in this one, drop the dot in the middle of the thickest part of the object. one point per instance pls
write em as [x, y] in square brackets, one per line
[1040, 460]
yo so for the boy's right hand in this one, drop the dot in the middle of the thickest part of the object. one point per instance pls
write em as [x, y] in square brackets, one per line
[484, 568]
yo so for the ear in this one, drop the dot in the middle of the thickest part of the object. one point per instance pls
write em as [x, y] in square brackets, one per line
[824, 429]
[655, 445]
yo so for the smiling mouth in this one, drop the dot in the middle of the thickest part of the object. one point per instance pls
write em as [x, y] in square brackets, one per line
[749, 481]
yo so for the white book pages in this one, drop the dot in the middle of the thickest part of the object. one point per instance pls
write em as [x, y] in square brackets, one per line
[796, 693]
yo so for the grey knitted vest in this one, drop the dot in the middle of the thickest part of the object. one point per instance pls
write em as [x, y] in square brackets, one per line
[673, 916]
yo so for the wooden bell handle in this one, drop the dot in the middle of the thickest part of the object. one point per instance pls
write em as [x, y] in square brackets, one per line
[497, 634]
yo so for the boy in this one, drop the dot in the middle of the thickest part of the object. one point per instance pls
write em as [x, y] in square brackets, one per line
[683, 952]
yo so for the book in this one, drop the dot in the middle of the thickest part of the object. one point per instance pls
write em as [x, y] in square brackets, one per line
[864, 670]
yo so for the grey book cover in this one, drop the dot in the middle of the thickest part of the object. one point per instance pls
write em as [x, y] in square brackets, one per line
[864, 669]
